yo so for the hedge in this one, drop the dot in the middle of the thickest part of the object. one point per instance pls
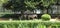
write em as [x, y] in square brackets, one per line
[27, 24]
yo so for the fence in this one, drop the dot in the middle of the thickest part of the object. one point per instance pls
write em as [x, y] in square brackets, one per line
[29, 24]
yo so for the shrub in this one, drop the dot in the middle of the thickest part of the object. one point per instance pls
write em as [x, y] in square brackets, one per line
[45, 17]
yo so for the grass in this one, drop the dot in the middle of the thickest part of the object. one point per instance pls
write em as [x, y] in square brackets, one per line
[27, 23]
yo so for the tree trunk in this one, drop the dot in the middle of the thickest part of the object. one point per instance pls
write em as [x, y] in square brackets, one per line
[44, 11]
[22, 15]
[47, 11]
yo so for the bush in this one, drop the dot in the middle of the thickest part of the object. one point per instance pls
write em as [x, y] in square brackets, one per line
[45, 17]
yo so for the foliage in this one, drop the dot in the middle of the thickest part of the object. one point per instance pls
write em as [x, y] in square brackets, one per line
[23, 5]
[28, 4]
[3, 1]
[14, 5]
[46, 3]
[27, 24]
[32, 3]
[45, 17]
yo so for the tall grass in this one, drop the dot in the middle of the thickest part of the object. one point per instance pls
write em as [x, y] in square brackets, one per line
[26, 24]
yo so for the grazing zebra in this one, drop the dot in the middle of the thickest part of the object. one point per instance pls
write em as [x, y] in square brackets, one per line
[33, 16]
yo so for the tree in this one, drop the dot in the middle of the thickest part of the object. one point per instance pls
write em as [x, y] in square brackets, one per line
[40, 4]
[23, 5]
[45, 4]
